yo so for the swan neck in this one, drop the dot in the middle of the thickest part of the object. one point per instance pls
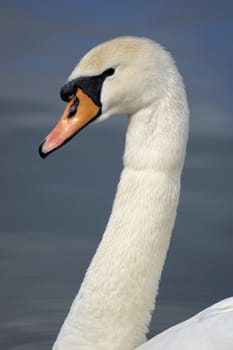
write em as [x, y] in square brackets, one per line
[157, 135]
[113, 307]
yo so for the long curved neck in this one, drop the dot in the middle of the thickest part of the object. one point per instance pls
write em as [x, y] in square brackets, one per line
[113, 307]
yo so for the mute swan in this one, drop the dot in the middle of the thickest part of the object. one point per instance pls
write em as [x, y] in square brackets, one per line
[112, 311]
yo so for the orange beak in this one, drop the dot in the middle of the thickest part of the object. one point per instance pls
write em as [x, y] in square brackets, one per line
[79, 112]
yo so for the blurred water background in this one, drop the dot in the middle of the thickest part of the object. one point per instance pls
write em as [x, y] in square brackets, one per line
[46, 235]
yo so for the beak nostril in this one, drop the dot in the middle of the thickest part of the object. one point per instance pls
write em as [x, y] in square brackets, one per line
[73, 108]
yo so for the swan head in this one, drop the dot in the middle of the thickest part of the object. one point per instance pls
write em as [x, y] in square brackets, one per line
[120, 76]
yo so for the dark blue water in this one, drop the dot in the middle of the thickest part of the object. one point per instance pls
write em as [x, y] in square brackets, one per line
[46, 236]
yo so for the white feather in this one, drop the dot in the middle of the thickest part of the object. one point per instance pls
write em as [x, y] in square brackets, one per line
[112, 310]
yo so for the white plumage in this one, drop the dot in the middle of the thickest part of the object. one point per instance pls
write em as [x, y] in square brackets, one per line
[112, 310]
[211, 329]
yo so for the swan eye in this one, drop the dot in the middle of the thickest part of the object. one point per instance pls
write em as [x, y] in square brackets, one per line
[73, 108]
[108, 72]
[91, 85]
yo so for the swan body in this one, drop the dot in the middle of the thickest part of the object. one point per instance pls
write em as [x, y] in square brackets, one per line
[211, 329]
[137, 77]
